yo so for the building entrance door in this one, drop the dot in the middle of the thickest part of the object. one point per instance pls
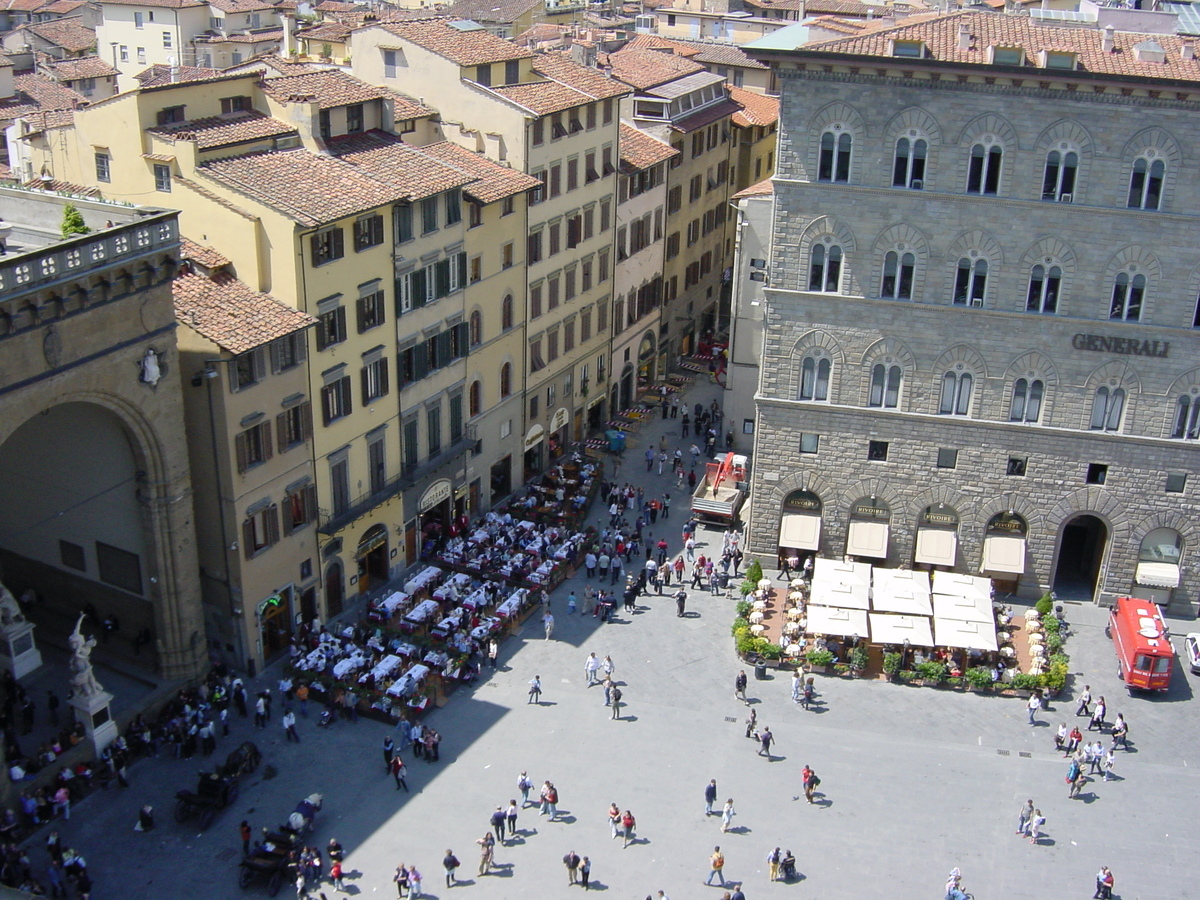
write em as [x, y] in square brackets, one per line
[1081, 552]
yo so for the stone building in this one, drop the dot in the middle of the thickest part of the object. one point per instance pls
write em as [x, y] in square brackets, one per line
[97, 498]
[981, 323]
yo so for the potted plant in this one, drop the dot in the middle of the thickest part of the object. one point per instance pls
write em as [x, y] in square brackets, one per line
[841, 668]
[1023, 681]
[931, 672]
[956, 682]
[754, 574]
[859, 657]
[744, 608]
[907, 676]
[819, 660]
[770, 652]
[979, 678]
[891, 665]
[1044, 606]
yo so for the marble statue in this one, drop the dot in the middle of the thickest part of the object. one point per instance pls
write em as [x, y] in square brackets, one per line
[83, 680]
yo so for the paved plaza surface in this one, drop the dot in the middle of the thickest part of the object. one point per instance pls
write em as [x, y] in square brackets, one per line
[914, 780]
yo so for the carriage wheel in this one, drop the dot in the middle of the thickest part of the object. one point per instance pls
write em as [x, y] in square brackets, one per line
[253, 757]
[183, 809]
[206, 817]
[275, 883]
[245, 877]
[231, 794]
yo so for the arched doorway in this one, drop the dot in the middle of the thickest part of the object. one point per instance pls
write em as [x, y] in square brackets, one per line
[868, 531]
[335, 590]
[1082, 548]
[372, 556]
[1157, 572]
[646, 360]
[626, 389]
[275, 624]
[936, 545]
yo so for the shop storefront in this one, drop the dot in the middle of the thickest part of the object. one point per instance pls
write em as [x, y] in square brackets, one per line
[1157, 572]
[371, 554]
[937, 538]
[275, 623]
[559, 434]
[1004, 549]
[870, 525]
[646, 362]
[434, 514]
[535, 452]
[800, 525]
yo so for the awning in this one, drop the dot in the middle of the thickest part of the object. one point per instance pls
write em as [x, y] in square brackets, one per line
[936, 546]
[869, 539]
[835, 620]
[800, 532]
[965, 635]
[850, 596]
[889, 629]
[901, 591]
[957, 583]
[374, 541]
[965, 609]
[1004, 554]
[1156, 574]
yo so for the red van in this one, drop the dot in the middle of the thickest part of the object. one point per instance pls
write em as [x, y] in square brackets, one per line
[1145, 656]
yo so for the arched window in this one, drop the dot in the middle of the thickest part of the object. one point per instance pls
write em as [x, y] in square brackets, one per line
[506, 380]
[475, 399]
[1146, 183]
[834, 163]
[825, 268]
[1187, 418]
[1128, 292]
[1044, 285]
[885, 387]
[897, 282]
[476, 328]
[1027, 400]
[1162, 545]
[1107, 407]
[908, 169]
[983, 171]
[970, 282]
[956, 393]
[814, 378]
[506, 312]
[1058, 179]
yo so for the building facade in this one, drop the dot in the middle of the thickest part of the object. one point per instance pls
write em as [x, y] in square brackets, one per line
[981, 321]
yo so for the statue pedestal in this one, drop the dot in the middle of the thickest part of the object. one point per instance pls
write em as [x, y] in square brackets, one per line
[93, 711]
[17, 649]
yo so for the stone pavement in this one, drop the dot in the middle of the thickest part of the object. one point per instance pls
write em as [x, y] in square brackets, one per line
[914, 780]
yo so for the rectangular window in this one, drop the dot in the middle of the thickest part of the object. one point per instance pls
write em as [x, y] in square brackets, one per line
[141, 56]
[512, 71]
[605, 215]
[124, 53]
[235, 104]
[590, 173]
[475, 269]
[389, 63]
[551, 346]
[569, 285]
[162, 178]
[374, 380]
[555, 239]
[608, 112]
[1016, 466]
[602, 266]
[120, 568]
[433, 428]
[456, 417]
[103, 167]
[335, 400]
[585, 275]
[585, 326]
[947, 458]
[568, 336]
[299, 508]
[327, 245]
[260, 531]
[483, 75]
[673, 245]
[536, 363]
[339, 486]
[809, 443]
[572, 174]
[331, 327]
[72, 556]
[877, 451]
[254, 446]
[474, 214]
[535, 301]
[533, 253]
[249, 369]
[506, 256]
[453, 207]
[555, 180]
[601, 325]
[139, 20]
[293, 426]
[539, 132]
[1097, 473]
[412, 452]
[1176, 484]
[429, 215]
[403, 222]
[368, 232]
[552, 294]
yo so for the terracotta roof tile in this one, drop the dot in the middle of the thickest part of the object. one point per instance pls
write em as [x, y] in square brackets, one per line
[543, 97]
[45, 119]
[224, 130]
[331, 87]
[473, 47]
[64, 187]
[69, 33]
[167, 4]
[843, 24]
[406, 107]
[641, 151]
[834, 7]
[764, 188]
[5, 62]
[710, 53]
[240, 6]
[85, 67]
[202, 254]
[649, 68]
[256, 36]
[491, 10]
[231, 315]
[405, 168]
[38, 93]
[63, 7]
[756, 109]
[330, 30]
[706, 116]
[493, 181]
[22, 5]
[561, 68]
[939, 33]
[159, 75]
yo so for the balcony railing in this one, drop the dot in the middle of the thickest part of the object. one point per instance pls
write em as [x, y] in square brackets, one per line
[330, 522]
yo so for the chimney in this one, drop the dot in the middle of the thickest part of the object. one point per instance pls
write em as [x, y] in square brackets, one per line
[964, 36]
[286, 49]
[173, 69]
[1106, 43]
[1187, 50]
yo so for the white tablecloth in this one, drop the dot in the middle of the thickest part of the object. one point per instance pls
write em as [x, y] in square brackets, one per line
[394, 600]
[422, 612]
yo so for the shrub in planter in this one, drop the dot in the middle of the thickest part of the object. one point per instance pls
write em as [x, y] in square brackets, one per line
[769, 650]
[743, 609]
[1045, 606]
[819, 659]
[891, 664]
[858, 658]
[744, 642]
[841, 668]
[1056, 678]
[740, 624]
[1060, 659]
[754, 572]
[1023, 681]
[907, 676]
[1054, 642]
[932, 670]
[956, 682]
[979, 678]
[1051, 624]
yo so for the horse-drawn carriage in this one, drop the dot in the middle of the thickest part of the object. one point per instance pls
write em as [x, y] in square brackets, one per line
[273, 858]
[217, 789]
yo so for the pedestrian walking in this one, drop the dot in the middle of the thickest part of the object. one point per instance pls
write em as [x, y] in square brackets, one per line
[773, 859]
[244, 831]
[1120, 733]
[727, 814]
[535, 690]
[493, 650]
[487, 850]
[399, 771]
[628, 823]
[549, 800]
[585, 872]
[497, 820]
[716, 865]
[1104, 884]
[548, 624]
[335, 875]
[524, 784]
[810, 781]
[684, 424]
[680, 602]
[572, 861]
[751, 720]
[614, 819]
[389, 750]
[739, 687]
[414, 883]
[1085, 700]
[401, 879]
[1110, 760]
[590, 667]
[510, 816]
[616, 702]
[649, 458]
[608, 667]
[1034, 704]
[766, 739]
[289, 726]
[1097, 720]
[450, 865]
[808, 694]
[1094, 756]
[710, 797]
[1035, 825]
[260, 712]
[797, 688]
[1024, 816]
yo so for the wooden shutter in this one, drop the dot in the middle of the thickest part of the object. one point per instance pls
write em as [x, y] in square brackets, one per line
[383, 377]
[272, 525]
[248, 538]
[462, 269]
[276, 361]
[326, 397]
[306, 421]
[418, 286]
[310, 503]
[339, 246]
[365, 379]
[464, 335]
[421, 365]
[239, 444]
[288, 500]
[268, 445]
[362, 314]
[443, 351]
[281, 431]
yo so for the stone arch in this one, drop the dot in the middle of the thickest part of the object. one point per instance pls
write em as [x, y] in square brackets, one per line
[1033, 364]
[815, 341]
[902, 238]
[869, 487]
[989, 123]
[800, 480]
[1154, 138]
[827, 225]
[1115, 372]
[944, 493]
[1027, 508]
[963, 354]
[1189, 380]
[1065, 131]
[823, 339]
[1094, 501]
[1168, 518]
[914, 119]
[837, 112]
[902, 234]
[977, 240]
[1050, 247]
[1135, 259]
